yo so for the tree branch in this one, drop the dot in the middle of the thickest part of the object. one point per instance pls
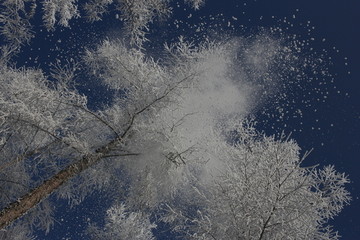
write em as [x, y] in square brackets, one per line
[96, 116]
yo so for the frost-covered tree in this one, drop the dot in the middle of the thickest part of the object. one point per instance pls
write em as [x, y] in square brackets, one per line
[47, 130]
[49, 135]
[16, 15]
[123, 225]
[262, 191]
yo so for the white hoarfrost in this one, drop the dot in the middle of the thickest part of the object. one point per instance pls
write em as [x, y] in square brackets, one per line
[123, 225]
[15, 15]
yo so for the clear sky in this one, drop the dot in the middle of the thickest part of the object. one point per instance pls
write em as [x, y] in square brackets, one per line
[330, 124]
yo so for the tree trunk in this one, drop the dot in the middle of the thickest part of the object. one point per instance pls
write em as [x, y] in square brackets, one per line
[16, 209]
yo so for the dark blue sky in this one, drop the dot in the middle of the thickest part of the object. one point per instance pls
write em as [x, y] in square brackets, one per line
[331, 127]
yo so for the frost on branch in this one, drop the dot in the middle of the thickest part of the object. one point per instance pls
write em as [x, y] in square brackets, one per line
[16, 15]
[138, 14]
[17, 232]
[121, 224]
[126, 69]
[13, 25]
[60, 11]
[95, 9]
[196, 4]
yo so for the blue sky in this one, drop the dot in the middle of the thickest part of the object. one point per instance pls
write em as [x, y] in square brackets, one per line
[331, 127]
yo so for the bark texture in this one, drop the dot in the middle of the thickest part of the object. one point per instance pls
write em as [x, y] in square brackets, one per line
[16, 209]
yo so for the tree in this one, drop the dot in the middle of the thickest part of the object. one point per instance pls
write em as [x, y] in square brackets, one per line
[159, 131]
[50, 126]
[16, 16]
[49, 135]
[262, 192]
